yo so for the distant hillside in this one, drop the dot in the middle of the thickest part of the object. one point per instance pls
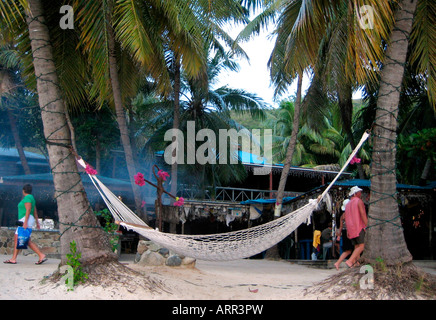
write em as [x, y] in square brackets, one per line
[249, 122]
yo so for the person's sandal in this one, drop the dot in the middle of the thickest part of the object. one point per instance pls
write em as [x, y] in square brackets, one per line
[41, 261]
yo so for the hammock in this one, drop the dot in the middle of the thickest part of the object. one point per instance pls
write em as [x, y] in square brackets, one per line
[222, 246]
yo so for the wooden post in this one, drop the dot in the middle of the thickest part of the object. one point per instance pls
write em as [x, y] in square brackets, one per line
[158, 205]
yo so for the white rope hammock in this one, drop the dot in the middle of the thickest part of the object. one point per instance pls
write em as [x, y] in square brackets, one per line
[223, 246]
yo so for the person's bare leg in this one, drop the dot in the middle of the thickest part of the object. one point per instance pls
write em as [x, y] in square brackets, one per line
[16, 251]
[341, 258]
[358, 249]
[35, 248]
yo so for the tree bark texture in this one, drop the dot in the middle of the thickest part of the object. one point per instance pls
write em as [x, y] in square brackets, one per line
[76, 219]
[385, 236]
[290, 151]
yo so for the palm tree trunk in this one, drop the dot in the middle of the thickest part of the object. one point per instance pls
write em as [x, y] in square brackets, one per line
[121, 120]
[346, 106]
[385, 237]
[290, 151]
[76, 219]
[273, 252]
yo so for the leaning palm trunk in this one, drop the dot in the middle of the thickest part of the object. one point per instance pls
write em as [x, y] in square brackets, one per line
[121, 120]
[273, 252]
[76, 219]
[290, 151]
[385, 237]
[346, 107]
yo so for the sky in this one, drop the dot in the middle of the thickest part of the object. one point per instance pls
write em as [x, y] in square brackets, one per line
[254, 75]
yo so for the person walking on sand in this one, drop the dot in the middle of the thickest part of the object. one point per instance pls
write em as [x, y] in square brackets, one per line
[356, 221]
[341, 232]
[28, 216]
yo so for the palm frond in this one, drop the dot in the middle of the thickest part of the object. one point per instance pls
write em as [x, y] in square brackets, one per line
[423, 44]
[12, 11]
[93, 24]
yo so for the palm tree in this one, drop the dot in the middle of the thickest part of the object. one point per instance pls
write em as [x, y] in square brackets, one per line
[76, 218]
[383, 218]
[210, 18]
[282, 72]
[210, 107]
[98, 42]
[133, 32]
[326, 146]
[282, 124]
[384, 47]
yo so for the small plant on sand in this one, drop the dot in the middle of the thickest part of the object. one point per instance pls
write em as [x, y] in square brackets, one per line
[109, 227]
[380, 264]
[419, 283]
[78, 276]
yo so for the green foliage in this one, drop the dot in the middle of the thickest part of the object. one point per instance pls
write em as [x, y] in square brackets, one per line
[97, 134]
[109, 227]
[413, 152]
[73, 260]
[420, 144]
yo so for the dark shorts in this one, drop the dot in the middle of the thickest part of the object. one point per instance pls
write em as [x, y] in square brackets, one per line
[346, 243]
[360, 239]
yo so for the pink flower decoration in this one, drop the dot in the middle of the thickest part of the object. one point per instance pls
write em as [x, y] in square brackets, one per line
[142, 204]
[355, 160]
[90, 170]
[139, 179]
[179, 202]
[163, 175]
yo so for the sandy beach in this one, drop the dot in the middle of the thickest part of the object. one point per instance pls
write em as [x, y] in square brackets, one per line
[230, 280]
[244, 279]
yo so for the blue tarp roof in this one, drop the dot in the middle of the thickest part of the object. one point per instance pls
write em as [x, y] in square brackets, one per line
[244, 157]
[367, 184]
[250, 158]
[48, 177]
[346, 183]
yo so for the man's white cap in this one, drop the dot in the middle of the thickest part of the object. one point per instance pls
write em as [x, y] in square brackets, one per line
[344, 204]
[354, 190]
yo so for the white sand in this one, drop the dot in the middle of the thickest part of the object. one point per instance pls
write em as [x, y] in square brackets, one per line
[232, 280]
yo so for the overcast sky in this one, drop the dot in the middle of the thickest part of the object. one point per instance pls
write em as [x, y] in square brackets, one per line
[254, 75]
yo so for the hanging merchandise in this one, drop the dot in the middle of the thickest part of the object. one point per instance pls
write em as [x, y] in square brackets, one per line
[229, 218]
[255, 211]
